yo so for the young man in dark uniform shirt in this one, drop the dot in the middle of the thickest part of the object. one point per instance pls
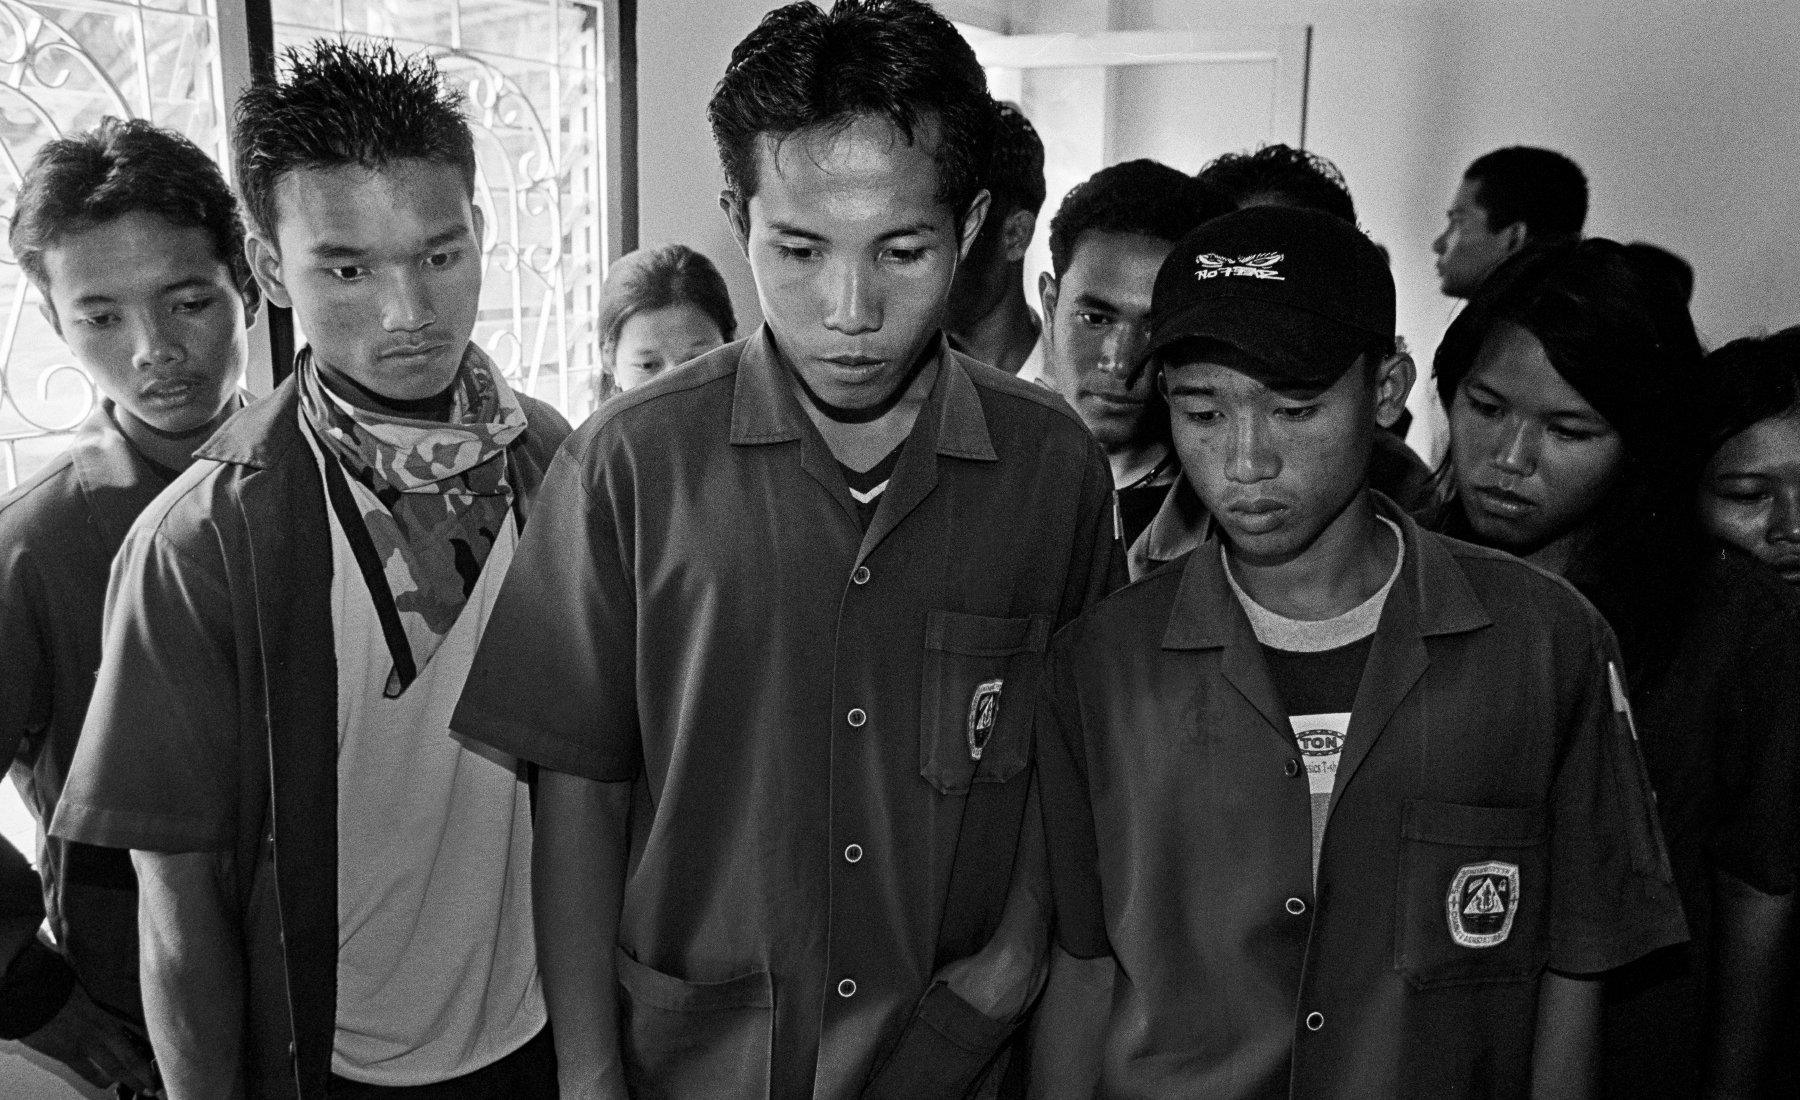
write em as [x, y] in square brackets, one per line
[1336, 806]
[336, 892]
[787, 607]
[132, 236]
[1107, 240]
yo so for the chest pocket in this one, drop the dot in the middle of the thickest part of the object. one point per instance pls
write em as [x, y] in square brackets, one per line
[976, 697]
[1474, 899]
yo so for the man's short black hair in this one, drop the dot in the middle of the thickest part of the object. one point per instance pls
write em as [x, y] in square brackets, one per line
[1539, 187]
[122, 167]
[346, 103]
[1281, 175]
[1016, 169]
[1139, 196]
[803, 68]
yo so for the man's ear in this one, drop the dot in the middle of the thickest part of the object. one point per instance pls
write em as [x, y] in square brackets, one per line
[265, 264]
[1047, 291]
[1394, 378]
[1515, 237]
[480, 227]
[1015, 235]
[737, 213]
[48, 312]
[971, 223]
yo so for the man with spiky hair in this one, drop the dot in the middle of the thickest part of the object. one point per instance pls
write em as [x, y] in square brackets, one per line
[335, 892]
[788, 604]
[132, 236]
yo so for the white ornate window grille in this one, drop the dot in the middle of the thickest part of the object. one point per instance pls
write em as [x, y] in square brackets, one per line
[532, 71]
[64, 65]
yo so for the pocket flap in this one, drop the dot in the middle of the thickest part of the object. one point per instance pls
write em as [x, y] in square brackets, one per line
[984, 635]
[1481, 826]
[652, 987]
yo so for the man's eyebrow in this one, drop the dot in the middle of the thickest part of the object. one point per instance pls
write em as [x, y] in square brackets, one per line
[448, 236]
[193, 282]
[331, 251]
[788, 229]
[1087, 299]
[1191, 389]
[87, 300]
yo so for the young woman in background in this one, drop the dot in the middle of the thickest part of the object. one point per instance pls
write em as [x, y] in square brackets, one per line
[1577, 442]
[659, 307]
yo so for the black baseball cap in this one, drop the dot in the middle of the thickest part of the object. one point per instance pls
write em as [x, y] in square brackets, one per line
[1300, 293]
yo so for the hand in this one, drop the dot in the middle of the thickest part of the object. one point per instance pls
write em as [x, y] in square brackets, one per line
[1000, 981]
[99, 1046]
[599, 1085]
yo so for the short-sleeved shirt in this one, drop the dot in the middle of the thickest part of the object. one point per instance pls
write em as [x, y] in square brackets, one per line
[58, 534]
[1720, 728]
[214, 720]
[1490, 818]
[789, 693]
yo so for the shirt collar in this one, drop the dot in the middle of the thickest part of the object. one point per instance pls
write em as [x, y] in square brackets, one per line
[1206, 615]
[261, 432]
[764, 408]
[116, 480]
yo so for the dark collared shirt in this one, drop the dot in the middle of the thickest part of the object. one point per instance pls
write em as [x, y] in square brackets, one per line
[1490, 817]
[58, 534]
[704, 615]
[1395, 470]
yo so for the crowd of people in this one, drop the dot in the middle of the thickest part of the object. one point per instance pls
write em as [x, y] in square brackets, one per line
[923, 695]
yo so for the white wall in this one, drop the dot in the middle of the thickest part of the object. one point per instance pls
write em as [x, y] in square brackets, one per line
[1685, 116]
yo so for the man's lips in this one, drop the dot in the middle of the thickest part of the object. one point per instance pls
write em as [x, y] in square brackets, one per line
[1117, 400]
[172, 389]
[1256, 516]
[412, 351]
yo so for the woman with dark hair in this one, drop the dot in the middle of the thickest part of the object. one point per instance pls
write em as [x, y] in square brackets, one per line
[659, 307]
[1750, 495]
[1571, 382]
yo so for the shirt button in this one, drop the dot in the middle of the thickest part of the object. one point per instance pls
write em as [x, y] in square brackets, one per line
[853, 854]
[861, 576]
[1296, 906]
[1291, 768]
[847, 988]
[1314, 1021]
[856, 717]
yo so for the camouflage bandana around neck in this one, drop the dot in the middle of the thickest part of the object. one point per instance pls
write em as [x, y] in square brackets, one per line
[432, 498]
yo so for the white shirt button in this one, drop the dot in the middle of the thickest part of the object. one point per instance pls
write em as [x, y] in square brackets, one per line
[861, 576]
[1314, 1021]
[856, 717]
[846, 988]
[1296, 906]
[853, 854]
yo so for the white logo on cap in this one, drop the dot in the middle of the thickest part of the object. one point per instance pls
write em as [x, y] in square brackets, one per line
[1257, 265]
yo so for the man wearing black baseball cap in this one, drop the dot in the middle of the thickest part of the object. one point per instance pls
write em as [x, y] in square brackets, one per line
[1337, 807]
[1304, 328]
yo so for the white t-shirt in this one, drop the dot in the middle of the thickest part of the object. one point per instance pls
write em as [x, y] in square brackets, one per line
[1320, 737]
[436, 966]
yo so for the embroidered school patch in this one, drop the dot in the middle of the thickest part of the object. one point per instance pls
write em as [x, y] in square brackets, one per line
[1482, 900]
[1257, 265]
[984, 712]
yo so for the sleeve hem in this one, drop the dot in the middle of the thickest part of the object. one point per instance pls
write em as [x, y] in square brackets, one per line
[544, 750]
[141, 831]
[1601, 953]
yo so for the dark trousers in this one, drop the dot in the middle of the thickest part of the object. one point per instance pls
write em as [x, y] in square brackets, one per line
[528, 1073]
